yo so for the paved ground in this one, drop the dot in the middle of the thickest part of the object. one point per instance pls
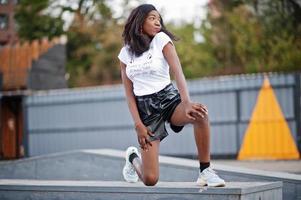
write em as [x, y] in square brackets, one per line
[290, 166]
[106, 165]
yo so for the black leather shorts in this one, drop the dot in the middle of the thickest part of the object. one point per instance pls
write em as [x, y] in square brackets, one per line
[157, 108]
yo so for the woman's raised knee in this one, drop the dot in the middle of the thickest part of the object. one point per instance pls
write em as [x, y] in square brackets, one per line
[150, 179]
[202, 119]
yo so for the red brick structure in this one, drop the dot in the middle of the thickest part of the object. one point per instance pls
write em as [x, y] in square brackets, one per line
[8, 33]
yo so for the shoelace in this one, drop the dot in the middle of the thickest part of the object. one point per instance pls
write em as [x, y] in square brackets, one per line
[213, 173]
[132, 171]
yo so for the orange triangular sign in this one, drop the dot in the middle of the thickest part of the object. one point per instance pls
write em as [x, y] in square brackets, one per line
[268, 135]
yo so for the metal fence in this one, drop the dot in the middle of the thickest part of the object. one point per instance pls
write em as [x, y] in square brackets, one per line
[98, 117]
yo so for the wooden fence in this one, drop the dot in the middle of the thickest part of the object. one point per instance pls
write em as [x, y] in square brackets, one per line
[16, 60]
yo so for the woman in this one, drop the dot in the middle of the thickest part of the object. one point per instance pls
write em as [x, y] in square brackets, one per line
[146, 60]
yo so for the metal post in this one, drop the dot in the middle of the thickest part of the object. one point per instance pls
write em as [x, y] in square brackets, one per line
[237, 96]
[297, 105]
[1, 126]
[25, 127]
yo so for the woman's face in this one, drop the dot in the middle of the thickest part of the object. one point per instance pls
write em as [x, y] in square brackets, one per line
[152, 25]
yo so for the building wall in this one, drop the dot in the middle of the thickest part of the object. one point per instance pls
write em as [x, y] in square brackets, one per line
[48, 72]
[7, 32]
[88, 118]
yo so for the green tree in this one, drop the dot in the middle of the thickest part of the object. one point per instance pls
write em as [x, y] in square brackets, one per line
[239, 36]
[34, 23]
[94, 36]
[196, 59]
[281, 22]
[253, 36]
[93, 46]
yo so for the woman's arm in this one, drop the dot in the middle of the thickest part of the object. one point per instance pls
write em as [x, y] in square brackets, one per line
[173, 61]
[142, 131]
[128, 86]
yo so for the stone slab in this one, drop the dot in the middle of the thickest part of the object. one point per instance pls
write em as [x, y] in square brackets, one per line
[53, 189]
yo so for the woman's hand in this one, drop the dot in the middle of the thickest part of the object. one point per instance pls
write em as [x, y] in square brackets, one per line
[143, 134]
[195, 109]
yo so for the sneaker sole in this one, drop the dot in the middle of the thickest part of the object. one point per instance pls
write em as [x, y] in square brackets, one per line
[217, 185]
[134, 180]
[203, 183]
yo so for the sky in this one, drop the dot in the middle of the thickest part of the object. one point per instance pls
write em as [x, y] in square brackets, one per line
[176, 11]
[181, 10]
[173, 10]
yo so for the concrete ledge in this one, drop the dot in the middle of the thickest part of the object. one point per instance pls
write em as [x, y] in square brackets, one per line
[182, 162]
[52, 189]
[291, 182]
[107, 164]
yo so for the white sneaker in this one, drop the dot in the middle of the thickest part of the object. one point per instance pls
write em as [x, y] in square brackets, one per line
[210, 178]
[129, 173]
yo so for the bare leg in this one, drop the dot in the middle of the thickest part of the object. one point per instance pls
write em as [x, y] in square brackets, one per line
[201, 131]
[148, 169]
[202, 139]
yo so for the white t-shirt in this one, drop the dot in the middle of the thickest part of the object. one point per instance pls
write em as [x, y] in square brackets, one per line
[150, 71]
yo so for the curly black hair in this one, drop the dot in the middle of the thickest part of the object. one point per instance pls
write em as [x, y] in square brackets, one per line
[138, 42]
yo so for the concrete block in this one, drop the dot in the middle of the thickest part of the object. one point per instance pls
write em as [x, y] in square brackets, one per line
[77, 190]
